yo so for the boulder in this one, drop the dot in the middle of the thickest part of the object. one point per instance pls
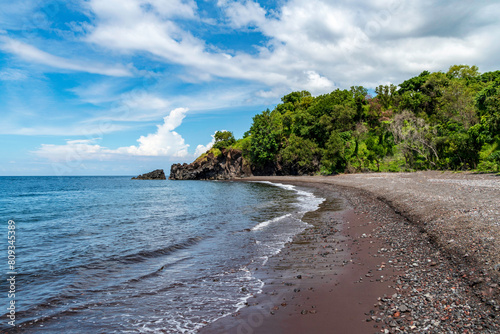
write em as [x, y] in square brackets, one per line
[154, 175]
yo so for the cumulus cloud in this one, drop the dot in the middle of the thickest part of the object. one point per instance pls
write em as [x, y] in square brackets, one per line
[200, 149]
[32, 54]
[164, 142]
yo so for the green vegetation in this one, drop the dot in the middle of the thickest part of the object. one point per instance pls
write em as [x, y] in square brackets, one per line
[442, 121]
[204, 157]
[223, 139]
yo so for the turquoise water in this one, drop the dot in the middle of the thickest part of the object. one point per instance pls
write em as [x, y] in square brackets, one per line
[110, 254]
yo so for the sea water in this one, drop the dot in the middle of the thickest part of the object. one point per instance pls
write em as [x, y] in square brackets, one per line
[115, 255]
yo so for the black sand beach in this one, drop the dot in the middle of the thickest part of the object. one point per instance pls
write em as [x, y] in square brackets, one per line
[387, 253]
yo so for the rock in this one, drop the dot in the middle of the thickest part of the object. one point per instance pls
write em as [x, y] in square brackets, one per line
[228, 165]
[403, 308]
[476, 281]
[154, 175]
[429, 297]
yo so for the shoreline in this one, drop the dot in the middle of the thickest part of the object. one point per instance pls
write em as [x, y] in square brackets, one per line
[371, 267]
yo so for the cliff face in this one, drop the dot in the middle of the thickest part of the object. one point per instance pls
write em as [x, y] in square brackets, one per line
[230, 164]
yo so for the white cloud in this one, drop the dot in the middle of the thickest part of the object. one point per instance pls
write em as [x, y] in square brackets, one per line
[164, 142]
[316, 45]
[95, 128]
[200, 149]
[9, 15]
[134, 106]
[130, 28]
[343, 42]
[242, 14]
[98, 92]
[316, 82]
[136, 25]
[174, 8]
[32, 54]
[143, 100]
[73, 150]
[12, 74]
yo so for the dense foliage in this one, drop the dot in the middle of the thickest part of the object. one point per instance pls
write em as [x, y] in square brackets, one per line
[445, 121]
[223, 139]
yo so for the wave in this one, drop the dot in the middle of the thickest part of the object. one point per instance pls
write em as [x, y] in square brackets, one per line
[260, 226]
[68, 301]
[143, 255]
[108, 264]
[307, 201]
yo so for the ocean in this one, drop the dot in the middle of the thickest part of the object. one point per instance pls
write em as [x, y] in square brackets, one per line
[115, 255]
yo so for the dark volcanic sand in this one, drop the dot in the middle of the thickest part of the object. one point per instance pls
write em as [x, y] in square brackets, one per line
[367, 269]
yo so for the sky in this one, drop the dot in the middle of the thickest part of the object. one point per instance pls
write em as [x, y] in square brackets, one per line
[122, 87]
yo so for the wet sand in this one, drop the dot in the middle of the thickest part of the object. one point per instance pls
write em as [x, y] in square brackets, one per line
[365, 268]
[320, 282]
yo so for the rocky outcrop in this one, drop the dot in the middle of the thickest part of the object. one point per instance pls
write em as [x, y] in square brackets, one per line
[158, 174]
[228, 165]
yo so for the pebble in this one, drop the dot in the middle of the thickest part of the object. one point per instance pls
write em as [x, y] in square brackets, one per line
[435, 295]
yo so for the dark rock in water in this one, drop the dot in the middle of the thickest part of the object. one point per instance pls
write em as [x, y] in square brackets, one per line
[154, 175]
[228, 165]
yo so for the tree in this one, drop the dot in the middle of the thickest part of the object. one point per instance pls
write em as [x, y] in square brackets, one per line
[457, 104]
[359, 100]
[414, 84]
[300, 154]
[295, 97]
[379, 145]
[337, 152]
[385, 94]
[463, 72]
[415, 101]
[414, 136]
[223, 139]
[265, 139]
[488, 104]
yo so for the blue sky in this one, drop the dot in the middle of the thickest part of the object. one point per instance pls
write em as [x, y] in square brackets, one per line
[121, 87]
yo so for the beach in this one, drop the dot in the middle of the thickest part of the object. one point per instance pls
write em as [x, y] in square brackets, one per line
[386, 253]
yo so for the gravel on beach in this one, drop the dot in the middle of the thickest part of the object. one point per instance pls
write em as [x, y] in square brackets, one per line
[442, 234]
